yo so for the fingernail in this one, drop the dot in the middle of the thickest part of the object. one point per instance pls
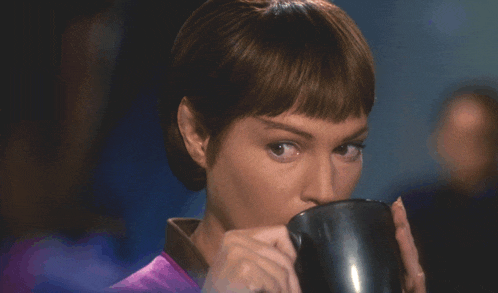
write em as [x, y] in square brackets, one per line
[397, 203]
[401, 203]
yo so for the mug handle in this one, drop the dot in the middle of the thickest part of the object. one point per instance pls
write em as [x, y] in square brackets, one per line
[296, 239]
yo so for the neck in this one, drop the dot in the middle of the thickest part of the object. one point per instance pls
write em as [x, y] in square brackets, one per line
[208, 235]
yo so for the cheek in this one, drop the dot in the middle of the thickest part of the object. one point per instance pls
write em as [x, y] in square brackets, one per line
[263, 193]
[244, 178]
[349, 176]
[259, 183]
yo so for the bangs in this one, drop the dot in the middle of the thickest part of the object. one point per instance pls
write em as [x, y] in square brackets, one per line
[238, 58]
[297, 57]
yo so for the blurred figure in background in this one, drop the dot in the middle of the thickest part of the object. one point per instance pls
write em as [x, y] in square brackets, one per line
[455, 220]
[77, 68]
[53, 239]
[58, 93]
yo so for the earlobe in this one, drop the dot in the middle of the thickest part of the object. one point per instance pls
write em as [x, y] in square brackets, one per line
[195, 141]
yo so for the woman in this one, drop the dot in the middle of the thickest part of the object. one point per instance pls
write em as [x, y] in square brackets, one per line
[267, 109]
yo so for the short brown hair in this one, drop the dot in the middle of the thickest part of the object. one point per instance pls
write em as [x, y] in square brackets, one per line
[240, 58]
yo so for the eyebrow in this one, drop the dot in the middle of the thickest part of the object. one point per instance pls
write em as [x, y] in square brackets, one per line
[277, 125]
[355, 135]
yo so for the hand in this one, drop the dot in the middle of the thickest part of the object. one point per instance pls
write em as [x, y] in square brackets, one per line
[254, 260]
[414, 275]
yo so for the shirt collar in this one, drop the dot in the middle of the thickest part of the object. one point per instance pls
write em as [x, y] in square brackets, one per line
[183, 251]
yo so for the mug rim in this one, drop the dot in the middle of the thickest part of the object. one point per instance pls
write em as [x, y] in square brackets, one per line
[364, 200]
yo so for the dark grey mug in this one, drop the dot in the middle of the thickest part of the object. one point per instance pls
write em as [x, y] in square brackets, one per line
[347, 247]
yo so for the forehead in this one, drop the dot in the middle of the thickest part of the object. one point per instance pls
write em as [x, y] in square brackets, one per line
[301, 125]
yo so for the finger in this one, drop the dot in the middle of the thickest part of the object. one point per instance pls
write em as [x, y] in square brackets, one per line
[277, 236]
[265, 240]
[261, 239]
[217, 284]
[415, 278]
[244, 267]
[269, 257]
[254, 277]
[244, 276]
[279, 273]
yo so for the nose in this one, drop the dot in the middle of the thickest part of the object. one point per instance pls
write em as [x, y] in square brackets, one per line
[319, 182]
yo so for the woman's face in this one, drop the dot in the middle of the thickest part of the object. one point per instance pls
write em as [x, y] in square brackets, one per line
[271, 168]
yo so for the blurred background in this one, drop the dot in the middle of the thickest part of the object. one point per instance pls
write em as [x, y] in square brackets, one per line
[85, 186]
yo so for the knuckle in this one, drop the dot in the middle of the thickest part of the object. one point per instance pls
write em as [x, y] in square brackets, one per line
[285, 267]
[289, 262]
[286, 280]
[421, 277]
[400, 234]
[281, 276]
[271, 284]
[234, 252]
[281, 231]
[245, 267]
[229, 236]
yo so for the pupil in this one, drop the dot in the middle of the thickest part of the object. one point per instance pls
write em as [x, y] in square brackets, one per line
[278, 149]
[342, 149]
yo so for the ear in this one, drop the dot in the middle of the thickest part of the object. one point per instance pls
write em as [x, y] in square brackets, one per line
[195, 141]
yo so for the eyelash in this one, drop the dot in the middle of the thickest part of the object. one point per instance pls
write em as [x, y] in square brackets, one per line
[272, 146]
[358, 145]
[278, 145]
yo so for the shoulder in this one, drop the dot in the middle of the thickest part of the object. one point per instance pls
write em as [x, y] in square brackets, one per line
[160, 274]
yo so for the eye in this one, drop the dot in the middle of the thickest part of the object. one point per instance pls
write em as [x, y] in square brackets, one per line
[283, 152]
[350, 152]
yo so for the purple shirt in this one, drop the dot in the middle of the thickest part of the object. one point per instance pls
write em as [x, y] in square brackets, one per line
[163, 274]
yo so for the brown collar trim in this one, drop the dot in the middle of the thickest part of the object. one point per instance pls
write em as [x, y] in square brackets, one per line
[183, 251]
